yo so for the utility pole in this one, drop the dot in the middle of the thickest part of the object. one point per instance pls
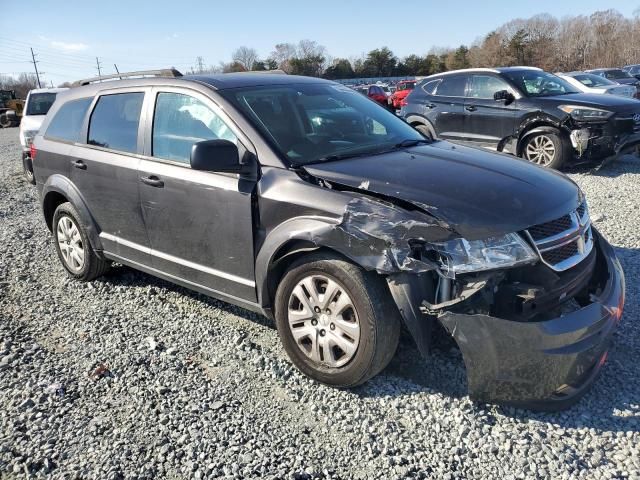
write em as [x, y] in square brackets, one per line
[51, 83]
[99, 71]
[35, 65]
[200, 62]
[117, 71]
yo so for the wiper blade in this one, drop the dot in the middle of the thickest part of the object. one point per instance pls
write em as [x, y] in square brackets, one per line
[411, 142]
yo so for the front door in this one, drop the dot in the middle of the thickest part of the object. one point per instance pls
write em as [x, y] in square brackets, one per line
[199, 224]
[488, 121]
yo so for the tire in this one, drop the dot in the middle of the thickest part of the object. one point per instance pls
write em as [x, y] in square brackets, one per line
[69, 234]
[28, 171]
[537, 149]
[370, 311]
[4, 121]
[426, 131]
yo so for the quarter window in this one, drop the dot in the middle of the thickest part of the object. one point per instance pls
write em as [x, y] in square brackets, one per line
[67, 123]
[430, 87]
[180, 121]
[484, 86]
[114, 121]
[452, 86]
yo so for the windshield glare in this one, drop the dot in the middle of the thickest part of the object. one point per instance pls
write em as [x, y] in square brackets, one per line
[40, 103]
[534, 83]
[591, 80]
[314, 122]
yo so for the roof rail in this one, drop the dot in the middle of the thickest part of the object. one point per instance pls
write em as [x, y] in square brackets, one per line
[166, 72]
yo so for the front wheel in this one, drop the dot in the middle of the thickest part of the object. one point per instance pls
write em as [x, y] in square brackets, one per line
[337, 322]
[547, 149]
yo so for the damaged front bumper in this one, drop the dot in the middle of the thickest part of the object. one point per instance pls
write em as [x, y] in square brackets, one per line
[543, 365]
[605, 141]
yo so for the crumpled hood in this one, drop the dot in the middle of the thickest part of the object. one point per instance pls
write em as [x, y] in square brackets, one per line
[477, 193]
[612, 103]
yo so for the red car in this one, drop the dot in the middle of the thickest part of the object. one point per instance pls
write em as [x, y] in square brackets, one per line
[376, 93]
[403, 88]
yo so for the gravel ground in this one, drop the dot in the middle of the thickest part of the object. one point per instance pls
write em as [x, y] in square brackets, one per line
[132, 377]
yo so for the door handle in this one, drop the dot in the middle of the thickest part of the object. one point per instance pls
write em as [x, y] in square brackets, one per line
[153, 181]
[471, 108]
[79, 164]
[431, 105]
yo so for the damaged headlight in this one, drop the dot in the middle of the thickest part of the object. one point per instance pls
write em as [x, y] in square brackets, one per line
[585, 113]
[463, 256]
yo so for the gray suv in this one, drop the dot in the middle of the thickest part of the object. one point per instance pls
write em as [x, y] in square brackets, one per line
[303, 200]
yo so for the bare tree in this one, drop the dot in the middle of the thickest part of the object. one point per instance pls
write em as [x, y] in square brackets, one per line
[245, 56]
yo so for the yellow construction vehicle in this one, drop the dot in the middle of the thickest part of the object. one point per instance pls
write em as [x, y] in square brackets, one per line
[10, 109]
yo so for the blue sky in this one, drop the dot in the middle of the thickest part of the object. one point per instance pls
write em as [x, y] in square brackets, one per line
[68, 35]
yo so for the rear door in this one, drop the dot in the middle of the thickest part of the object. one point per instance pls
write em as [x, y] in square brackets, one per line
[446, 107]
[199, 223]
[488, 121]
[105, 170]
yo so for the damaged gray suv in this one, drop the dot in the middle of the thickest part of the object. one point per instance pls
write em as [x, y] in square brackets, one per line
[303, 200]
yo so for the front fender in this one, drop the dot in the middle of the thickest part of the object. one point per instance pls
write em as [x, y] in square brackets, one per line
[60, 185]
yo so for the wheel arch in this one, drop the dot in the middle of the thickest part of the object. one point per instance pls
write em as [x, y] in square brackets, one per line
[537, 124]
[416, 120]
[59, 189]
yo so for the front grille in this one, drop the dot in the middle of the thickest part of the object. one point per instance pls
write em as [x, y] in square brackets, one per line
[544, 230]
[560, 254]
[565, 241]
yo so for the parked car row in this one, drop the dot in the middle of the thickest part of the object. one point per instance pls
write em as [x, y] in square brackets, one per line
[524, 111]
[301, 199]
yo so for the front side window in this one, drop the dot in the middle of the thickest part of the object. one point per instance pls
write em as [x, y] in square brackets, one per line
[40, 103]
[114, 121]
[452, 86]
[180, 121]
[484, 86]
[536, 83]
[309, 123]
[67, 122]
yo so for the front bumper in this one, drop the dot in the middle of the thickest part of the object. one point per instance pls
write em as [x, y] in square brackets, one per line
[546, 365]
[605, 140]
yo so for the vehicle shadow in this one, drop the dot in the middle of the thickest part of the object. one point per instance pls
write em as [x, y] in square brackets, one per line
[612, 404]
[629, 163]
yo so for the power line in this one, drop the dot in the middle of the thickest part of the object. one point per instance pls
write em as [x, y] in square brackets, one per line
[35, 65]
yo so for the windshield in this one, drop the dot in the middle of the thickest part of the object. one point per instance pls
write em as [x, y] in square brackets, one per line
[536, 83]
[591, 80]
[40, 103]
[406, 86]
[616, 74]
[321, 122]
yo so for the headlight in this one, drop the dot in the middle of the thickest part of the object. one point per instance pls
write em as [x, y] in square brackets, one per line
[585, 113]
[463, 256]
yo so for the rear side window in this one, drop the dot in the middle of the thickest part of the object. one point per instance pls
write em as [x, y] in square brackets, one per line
[67, 122]
[40, 103]
[114, 121]
[430, 87]
[452, 86]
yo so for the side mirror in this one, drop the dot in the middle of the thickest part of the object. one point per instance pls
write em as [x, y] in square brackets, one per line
[216, 156]
[503, 95]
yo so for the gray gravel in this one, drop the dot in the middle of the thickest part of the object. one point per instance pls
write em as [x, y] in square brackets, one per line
[131, 377]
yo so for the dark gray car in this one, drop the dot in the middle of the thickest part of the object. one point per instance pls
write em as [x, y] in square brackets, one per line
[305, 201]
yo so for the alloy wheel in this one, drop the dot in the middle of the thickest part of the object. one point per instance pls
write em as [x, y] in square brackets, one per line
[70, 243]
[323, 321]
[541, 150]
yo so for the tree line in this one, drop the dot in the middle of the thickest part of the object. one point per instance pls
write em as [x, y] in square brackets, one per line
[604, 39]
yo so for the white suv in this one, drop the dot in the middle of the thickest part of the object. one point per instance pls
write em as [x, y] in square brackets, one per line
[37, 105]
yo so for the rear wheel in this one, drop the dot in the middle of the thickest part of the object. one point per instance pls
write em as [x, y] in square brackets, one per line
[337, 322]
[27, 166]
[547, 149]
[426, 131]
[73, 247]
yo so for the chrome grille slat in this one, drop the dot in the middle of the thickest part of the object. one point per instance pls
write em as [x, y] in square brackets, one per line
[564, 242]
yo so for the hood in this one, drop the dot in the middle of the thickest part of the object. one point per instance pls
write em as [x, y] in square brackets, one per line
[609, 102]
[476, 193]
